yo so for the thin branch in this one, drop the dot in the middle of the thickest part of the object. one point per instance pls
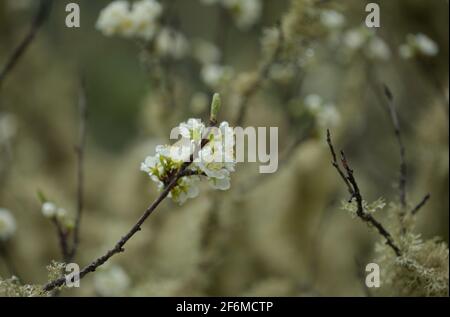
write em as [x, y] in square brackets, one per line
[422, 203]
[39, 19]
[355, 193]
[119, 246]
[80, 150]
[262, 76]
[62, 238]
[398, 135]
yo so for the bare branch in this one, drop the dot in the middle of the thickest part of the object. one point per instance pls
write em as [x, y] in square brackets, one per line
[119, 246]
[421, 204]
[80, 150]
[403, 167]
[41, 16]
[62, 238]
[353, 188]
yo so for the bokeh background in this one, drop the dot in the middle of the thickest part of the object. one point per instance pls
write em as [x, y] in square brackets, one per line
[280, 234]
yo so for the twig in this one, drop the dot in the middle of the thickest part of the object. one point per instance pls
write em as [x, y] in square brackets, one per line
[80, 149]
[262, 76]
[62, 238]
[118, 248]
[39, 19]
[355, 193]
[422, 203]
[403, 168]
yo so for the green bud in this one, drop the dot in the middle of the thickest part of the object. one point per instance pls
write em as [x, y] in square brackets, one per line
[215, 107]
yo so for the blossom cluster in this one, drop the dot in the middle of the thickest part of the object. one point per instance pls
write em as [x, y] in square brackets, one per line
[51, 210]
[418, 45]
[141, 20]
[214, 161]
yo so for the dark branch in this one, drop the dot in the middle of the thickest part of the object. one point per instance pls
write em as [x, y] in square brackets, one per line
[403, 168]
[421, 204]
[118, 248]
[80, 149]
[38, 21]
[62, 238]
[355, 193]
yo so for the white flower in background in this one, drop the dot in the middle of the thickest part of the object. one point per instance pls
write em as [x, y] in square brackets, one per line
[378, 49]
[245, 12]
[332, 19]
[313, 102]
[8, 127]
[270, 40]
[7, 225]
[325, 113]
[356, 38]
[111, 281]
[115, 19]
[171, 43]
[144, 16]
[215, 160]
[215, 75]
[418, 44]
[51, 210]
[206, 52]
[329, 116]
[141, 21]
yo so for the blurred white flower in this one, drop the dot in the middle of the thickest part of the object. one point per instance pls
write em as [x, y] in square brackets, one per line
[378, 49]
[418, 44]
[141, 21]
[206, 52]
[326, 114]
[49, 209]
[215, 75]
[332, 19]
[111, 281]
[245, 12]
[171, 43]
[7, 225]
[356, 38]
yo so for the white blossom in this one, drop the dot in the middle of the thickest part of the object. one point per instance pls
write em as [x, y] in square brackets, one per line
[111, 281]
[418, 44]
[378, 49]
[325, 113]
[215, 161]
[141, 21]
[332, 19]
[215, 75]
[171, 43]
[49, 209]
[206, 52]
[245, 12]
[7, 224]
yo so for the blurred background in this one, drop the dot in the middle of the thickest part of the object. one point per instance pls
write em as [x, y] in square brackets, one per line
[280, 234]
